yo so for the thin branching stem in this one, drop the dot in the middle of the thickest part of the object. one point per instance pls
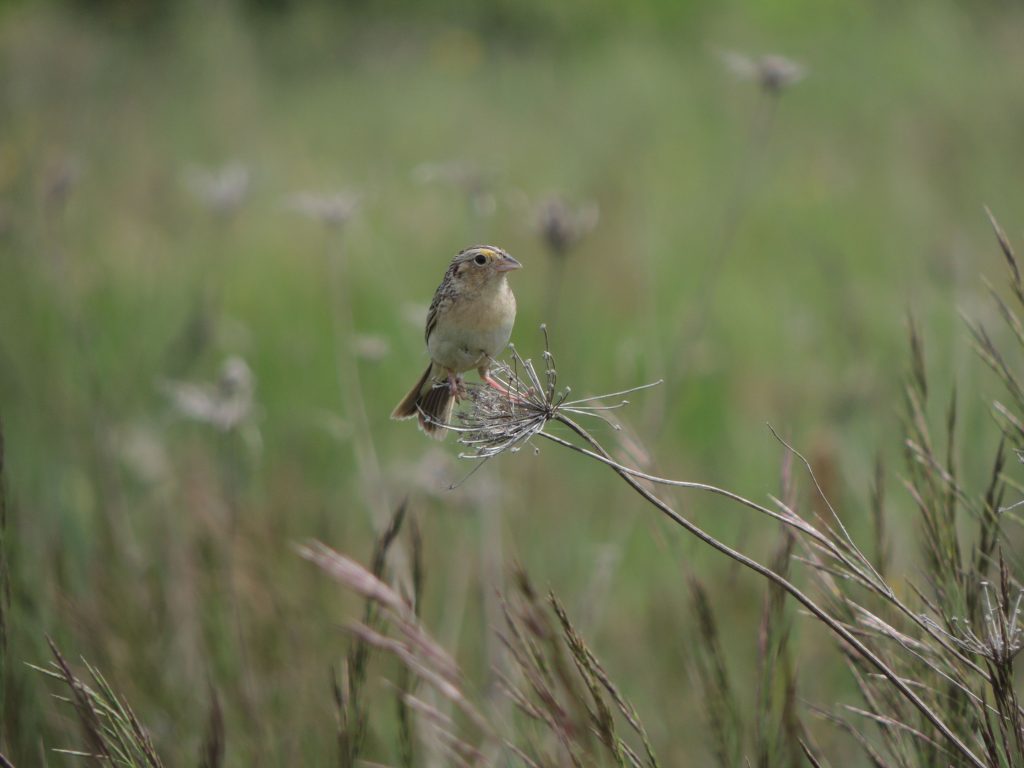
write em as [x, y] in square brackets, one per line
[836, 626]
[870, 580]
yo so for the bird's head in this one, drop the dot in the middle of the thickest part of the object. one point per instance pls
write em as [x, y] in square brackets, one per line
[482, 264]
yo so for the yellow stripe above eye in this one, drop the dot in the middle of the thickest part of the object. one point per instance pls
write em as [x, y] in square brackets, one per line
[488, 253]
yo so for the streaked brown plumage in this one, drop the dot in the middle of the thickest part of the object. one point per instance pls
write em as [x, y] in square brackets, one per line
[469, 323]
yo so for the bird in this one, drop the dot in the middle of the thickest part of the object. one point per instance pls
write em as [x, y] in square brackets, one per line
[469, 323]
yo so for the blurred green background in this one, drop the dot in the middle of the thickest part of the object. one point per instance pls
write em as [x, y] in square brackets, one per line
[168, 177]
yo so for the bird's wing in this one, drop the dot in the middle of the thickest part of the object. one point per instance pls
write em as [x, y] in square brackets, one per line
[442, 298]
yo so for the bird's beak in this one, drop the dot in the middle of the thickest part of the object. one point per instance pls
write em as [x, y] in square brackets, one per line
[507, 264]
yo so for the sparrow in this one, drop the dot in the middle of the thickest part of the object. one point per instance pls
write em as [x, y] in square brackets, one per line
[469, 323]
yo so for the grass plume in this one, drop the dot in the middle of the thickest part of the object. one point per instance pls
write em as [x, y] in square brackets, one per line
[111, 731]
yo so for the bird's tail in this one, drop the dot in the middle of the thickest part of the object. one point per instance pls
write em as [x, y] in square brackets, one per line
[431, 401]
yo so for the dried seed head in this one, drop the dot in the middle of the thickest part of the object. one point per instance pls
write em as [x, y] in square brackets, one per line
[496, 422]
[226, 404]
[773, 73]
[1001, 635]
[562, 227]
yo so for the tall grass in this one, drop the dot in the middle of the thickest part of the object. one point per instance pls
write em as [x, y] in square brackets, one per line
[158, 549]
[935, 670]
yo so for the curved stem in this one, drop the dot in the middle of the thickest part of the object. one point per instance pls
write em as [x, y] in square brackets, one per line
[819, 613]
[870, 580]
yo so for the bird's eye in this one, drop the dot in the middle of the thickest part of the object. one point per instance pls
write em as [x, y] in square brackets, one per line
[480, 259]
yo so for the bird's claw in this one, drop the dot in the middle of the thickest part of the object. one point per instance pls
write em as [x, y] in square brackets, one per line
[456, 386]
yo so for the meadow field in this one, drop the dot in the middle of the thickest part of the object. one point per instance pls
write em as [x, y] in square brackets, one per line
[220, 228]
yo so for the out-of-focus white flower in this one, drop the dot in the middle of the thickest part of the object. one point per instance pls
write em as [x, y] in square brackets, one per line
[221, 190]
[333, 209]
[771, 71]
[225, 404]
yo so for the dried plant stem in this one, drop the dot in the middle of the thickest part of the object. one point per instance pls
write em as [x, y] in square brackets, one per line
[819, 613]
[868, 578]
[554, 290]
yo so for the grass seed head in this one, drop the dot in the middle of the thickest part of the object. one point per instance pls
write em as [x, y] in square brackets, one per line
[1001, 635]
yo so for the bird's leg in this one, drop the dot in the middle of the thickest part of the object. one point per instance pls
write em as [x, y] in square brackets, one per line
[485, 376]
[454, 384]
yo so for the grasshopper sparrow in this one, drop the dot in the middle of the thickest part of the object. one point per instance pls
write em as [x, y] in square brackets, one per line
[469, 323]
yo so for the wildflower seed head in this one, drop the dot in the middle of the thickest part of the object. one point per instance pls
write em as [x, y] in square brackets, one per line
[777, 72]
[772, 72]
[225, 404]
[562, 227]
[495, 422]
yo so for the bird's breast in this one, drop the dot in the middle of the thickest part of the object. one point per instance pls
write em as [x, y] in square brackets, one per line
[486, 311]
[473, 328]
